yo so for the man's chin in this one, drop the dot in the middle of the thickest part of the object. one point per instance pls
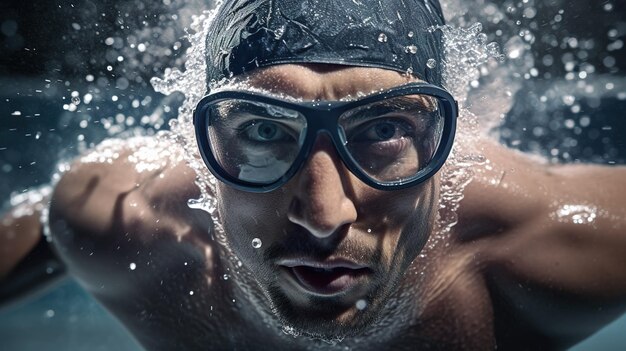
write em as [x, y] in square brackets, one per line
[322, 319]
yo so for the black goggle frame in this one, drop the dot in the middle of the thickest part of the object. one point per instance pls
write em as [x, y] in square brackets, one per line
[323, 116]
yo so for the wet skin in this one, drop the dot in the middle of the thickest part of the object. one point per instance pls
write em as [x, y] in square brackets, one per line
[510, 274]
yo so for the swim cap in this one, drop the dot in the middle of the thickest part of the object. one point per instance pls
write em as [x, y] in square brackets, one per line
[391, 34]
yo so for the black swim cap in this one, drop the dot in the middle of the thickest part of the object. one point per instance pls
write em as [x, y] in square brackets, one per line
[391, 34]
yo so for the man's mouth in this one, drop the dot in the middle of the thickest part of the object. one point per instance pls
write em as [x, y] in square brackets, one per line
[325, 278]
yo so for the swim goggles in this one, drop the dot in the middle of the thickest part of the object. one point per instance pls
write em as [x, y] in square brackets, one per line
[390, 140]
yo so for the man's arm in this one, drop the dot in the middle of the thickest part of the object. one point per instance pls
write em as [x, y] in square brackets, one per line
[121, 224]
[27, 262]
[552, 243]
[106, 213]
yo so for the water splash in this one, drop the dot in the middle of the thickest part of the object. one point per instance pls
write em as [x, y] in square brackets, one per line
[29, 202]
[465, 51]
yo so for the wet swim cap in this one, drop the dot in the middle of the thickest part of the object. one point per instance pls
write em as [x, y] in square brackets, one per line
[390, 34]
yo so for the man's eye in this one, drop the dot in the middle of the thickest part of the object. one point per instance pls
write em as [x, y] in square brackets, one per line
[383, 130]
[265, 131]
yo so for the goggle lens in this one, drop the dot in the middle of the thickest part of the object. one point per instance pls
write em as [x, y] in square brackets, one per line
[390, 140]
[255, 142]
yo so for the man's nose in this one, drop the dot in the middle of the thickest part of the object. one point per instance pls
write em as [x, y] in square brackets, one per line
[321, 202]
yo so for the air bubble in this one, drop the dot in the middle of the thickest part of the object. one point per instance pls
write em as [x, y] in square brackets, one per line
[256, 243]
[481, 38]
[493, 49]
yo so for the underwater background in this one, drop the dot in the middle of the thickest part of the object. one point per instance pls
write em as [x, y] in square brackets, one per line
[75, 72]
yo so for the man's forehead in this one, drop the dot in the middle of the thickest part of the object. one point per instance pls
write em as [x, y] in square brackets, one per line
[324, 81]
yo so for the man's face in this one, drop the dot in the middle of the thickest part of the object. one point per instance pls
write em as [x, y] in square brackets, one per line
[333, 249]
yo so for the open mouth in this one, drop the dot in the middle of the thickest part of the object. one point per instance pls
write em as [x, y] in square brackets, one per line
[328, 279]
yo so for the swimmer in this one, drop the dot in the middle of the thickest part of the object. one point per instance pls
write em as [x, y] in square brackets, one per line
[327, 194]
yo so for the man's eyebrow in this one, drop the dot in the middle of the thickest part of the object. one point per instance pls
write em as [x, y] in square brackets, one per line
[425, 102]
[408, 102]
[412, 103]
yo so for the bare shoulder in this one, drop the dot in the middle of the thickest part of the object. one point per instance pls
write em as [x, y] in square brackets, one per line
[550, 239]
[125, 198]
[514, 188]
[117, 177]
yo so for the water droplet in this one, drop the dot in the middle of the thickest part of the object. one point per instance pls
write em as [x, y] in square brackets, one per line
[382, 37]
[76, 100]
[411, 34]
[577, 214]
[369, 230]
[225, 276]
[361, 305]
[431, 63]
[278, 33]
[191, 292]
[568, 100]
[256, 243]
[132, 266]
[50, 313]
[411, 49]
